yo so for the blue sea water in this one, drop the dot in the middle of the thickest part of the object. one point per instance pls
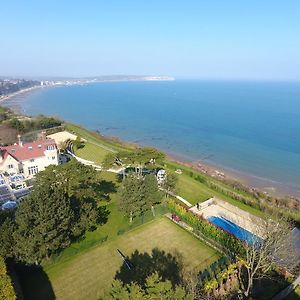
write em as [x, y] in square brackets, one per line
[250, 128]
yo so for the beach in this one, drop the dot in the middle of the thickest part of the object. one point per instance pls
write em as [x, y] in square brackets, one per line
[18, 93]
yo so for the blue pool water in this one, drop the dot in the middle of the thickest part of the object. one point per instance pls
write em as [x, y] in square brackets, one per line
[234, 229]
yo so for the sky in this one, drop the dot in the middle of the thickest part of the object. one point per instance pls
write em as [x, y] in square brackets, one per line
[225, 39]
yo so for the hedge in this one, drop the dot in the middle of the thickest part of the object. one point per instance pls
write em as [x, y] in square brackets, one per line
[6, 288]
[223, 238]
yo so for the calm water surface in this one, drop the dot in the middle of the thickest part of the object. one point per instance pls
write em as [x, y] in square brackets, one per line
[247, 127]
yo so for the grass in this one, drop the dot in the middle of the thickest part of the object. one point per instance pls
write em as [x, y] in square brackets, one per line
[92, 272]
[188, 188]
[94, 138]
[92, 152]
[195, 191]
[192, 190]
[117, 223]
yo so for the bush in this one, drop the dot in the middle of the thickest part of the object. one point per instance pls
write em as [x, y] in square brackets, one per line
[224, 239]
[6, 288]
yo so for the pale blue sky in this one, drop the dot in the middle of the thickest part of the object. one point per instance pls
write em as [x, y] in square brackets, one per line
[225, 39]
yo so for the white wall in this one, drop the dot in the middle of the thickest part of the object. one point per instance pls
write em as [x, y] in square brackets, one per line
[9, 161]
[50, 158]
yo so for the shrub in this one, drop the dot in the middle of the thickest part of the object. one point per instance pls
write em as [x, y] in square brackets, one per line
[226, 240]
[6, 288]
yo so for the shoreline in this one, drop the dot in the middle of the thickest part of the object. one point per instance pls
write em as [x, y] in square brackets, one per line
[227, 174]
[20, 92]
[221, 172]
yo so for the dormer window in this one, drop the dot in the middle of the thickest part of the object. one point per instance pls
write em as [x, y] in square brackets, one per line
[40, 146]
[30, 148]
[13, 150]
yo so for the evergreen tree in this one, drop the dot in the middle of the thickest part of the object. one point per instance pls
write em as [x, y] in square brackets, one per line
[6, 233]
[155, 289]
[131, 200]
[169, 184]
[44, 221]
[121, 159]
[152, 194]
[82, 185]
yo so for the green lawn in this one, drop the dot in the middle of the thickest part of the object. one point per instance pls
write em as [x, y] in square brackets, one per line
[92, 272]
[116, 224]
[92, 152]
[94, 138]
[190, 189]
[195, 191]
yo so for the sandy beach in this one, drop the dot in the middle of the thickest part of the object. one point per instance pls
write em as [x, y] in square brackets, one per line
[18, 93]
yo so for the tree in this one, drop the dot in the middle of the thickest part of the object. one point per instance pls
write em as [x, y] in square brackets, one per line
[155, 289]
[61, 207]
[138, 194]
[44, 223]
[16, 124]
[121, 158]
[83, 185]
[6, 232]
[6, 288]
[78, 143]
[151, 194]
[143, 157]
[169, 184]
[277, 248]
[131, 200]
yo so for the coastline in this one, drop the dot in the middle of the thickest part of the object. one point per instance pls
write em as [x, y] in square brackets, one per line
[226, 173]
[251, 181]
[18, 93]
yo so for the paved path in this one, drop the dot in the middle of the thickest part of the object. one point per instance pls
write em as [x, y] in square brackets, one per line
[179, 198]
[284, 293]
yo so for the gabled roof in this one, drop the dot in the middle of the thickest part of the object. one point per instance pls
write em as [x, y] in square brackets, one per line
[28, 150]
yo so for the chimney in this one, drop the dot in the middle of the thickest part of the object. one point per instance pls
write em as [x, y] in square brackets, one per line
[20, 141]
[43, 135]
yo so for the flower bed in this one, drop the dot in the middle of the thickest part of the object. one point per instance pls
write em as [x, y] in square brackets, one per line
[223, 238]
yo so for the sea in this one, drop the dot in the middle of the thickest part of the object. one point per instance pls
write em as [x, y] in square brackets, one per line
[249, 129]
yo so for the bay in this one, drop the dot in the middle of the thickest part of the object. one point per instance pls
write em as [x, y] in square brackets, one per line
[248, 128]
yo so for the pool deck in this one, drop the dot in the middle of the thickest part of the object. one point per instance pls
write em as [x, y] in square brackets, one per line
[219, 208]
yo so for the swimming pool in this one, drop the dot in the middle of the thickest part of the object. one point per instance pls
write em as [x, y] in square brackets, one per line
[234, 229]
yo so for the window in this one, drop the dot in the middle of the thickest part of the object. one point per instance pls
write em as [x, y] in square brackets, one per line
[10, 166]
[33, 170]
[32, 160]
[53, 157]
[50, 147]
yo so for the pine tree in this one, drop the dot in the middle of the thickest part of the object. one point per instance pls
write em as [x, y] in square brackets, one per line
[155, 289]
[44, 222]
[152, 194]
[6, 233]
[169, 184]
[131, 197]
